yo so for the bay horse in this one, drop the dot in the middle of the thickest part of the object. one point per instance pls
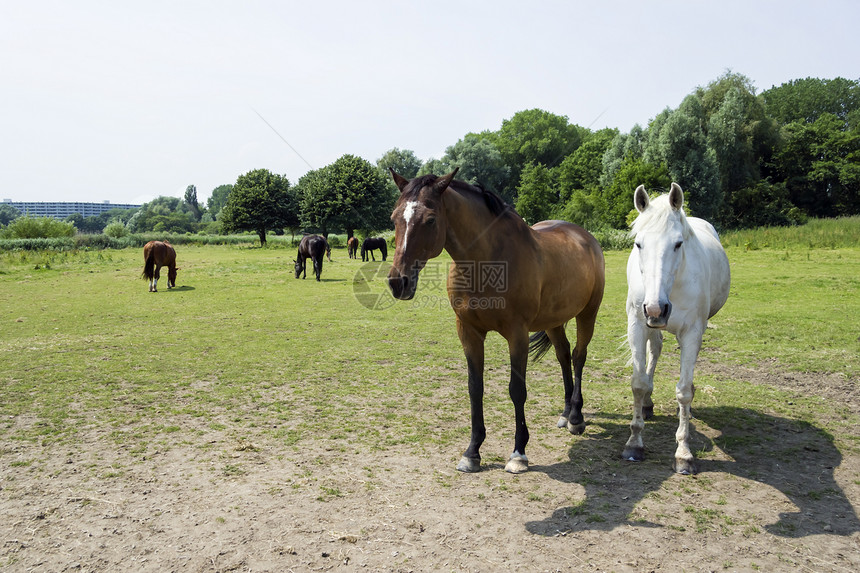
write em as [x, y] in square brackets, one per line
[678, 277]
[507, 277]
[311, 247]
[370, 244]
[157, 254]
[352, 247]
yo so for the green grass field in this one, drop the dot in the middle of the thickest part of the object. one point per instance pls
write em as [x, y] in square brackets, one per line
[243, 347]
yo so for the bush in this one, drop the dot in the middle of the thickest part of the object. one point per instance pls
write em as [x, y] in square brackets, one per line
[27, 227]
[115, 230]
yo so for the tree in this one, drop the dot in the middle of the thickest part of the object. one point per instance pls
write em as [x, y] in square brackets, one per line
[171, 212]
[404, 162]
[534, 136]
[681, 144]
[582, 168]
[435, 166]
[622, 147]
[260, 201]
[217, 200]
[618, 197]
[808, 99]
[480, 163]
[536, 196]
[8, 213]
[349, 194]
[820, 164]
[191, 201]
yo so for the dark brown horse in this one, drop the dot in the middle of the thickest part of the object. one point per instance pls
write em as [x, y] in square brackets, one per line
[352, 247]
[157, 254]
[311, 247]
[371, 244]
[506, 277]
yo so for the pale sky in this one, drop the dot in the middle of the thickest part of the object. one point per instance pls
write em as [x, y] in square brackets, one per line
[121, 101]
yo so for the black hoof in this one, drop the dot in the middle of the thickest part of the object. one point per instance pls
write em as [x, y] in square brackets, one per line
[633, 454]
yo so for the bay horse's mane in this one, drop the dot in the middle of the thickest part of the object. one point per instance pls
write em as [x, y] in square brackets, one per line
[496, 205]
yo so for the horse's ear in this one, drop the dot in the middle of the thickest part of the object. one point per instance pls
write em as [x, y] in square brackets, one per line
[676, 197]
[399, 180]
[442, 183]
[640, 199]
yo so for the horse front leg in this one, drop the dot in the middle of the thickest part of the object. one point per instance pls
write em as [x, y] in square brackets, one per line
[641, 338]
[518, 346]
[691, 342]
[473, 346]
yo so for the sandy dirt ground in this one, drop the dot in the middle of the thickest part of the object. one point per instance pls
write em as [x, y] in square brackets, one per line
[781, 502]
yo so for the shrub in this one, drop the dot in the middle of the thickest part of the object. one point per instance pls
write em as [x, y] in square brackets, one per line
[27, 227]
[115, 230]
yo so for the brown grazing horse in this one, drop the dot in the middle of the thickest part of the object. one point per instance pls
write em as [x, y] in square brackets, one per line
[157, 254]
[506, 277]
[352, 247]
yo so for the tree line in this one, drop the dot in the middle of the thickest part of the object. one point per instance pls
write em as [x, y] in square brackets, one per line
[743, 159]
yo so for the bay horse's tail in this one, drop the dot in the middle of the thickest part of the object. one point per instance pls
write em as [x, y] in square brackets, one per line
[149, 266]
[539, 343]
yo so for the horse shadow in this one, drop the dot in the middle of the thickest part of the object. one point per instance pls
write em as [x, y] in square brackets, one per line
[183, 288]
[794, 457]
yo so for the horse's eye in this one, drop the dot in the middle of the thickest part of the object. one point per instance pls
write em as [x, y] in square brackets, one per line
[431, 221]
[637, 245]
[678, 245]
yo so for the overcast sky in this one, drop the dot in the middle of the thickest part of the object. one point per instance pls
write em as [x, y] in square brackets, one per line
[122, 101]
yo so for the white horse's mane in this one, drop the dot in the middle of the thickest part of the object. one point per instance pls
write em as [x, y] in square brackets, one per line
[657, 217]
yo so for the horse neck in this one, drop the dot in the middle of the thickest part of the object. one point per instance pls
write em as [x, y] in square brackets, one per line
[474, 233]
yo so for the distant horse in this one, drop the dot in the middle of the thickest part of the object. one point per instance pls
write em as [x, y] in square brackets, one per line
[352, 247]
[677, 264]
[371, 244]
[506, 277]
[311, 247]
[157, 254]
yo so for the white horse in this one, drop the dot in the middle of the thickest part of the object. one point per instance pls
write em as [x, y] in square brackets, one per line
[677, 278]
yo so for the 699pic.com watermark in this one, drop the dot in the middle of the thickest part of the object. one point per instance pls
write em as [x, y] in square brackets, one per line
[486, 281]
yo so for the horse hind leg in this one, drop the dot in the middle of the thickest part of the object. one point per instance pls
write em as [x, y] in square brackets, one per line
[560, 343]
[584, 333]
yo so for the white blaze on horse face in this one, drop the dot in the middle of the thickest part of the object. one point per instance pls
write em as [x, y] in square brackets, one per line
[408, 213]
[658, 262]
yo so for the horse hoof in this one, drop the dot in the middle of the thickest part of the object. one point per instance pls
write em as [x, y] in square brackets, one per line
[518, 464]
[562, 422]
[633, 453]
[647, 412]
[685, 467]
[469, 465]
[576, 429]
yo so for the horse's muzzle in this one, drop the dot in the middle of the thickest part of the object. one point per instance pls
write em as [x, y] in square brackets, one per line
[401, 287]
[658, 321]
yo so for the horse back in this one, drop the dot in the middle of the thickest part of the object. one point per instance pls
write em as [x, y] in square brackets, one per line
[570, 269]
